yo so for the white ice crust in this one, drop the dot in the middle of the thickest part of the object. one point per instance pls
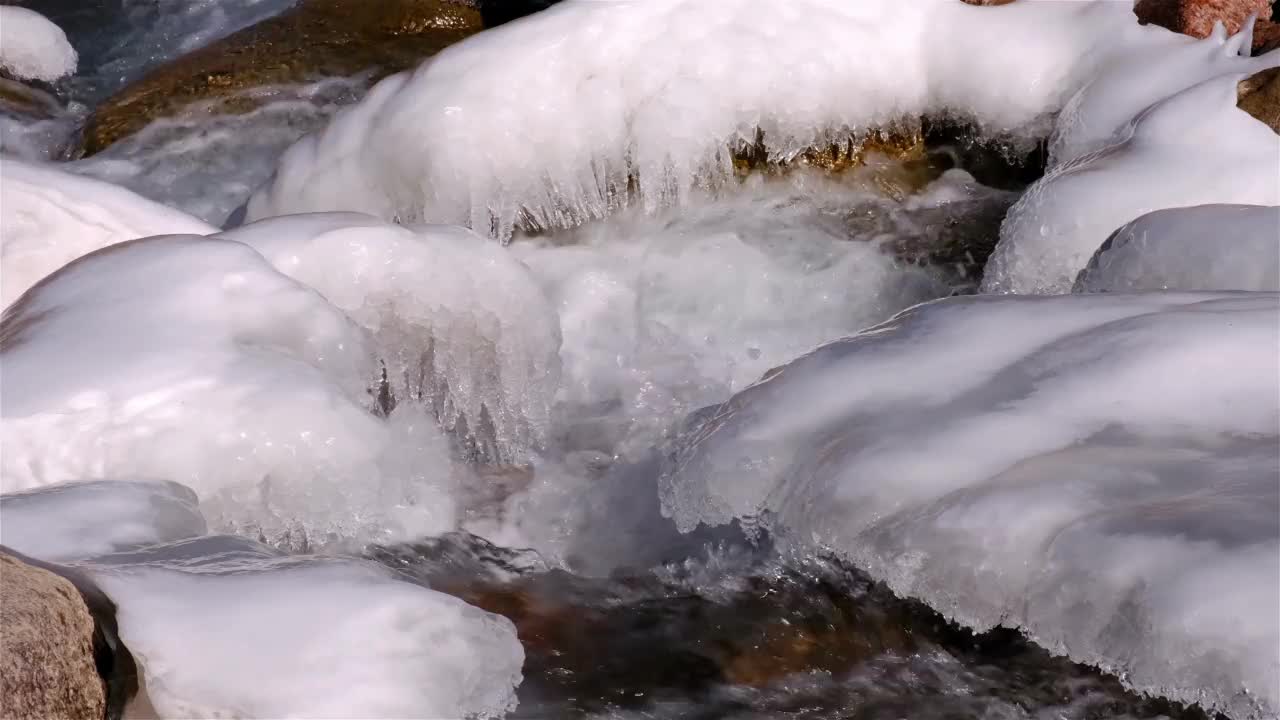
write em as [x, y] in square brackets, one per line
[547, 120]
[1207, 247]
[31, 47]
[49, 217]
[1099, 471]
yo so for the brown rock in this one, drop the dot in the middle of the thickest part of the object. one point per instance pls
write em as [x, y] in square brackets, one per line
[1196, 17]
[313, 40]
[1259, 95]
[987, 2]
[47, 665]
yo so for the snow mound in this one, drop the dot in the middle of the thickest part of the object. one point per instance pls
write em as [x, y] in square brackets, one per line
[1195, 148]
[584, 108]
[242, 634]
[1208, 247]
[1099, 471]
[49, 217]
[458, 322]
[193, 360]
[72, 521]
[31, 47]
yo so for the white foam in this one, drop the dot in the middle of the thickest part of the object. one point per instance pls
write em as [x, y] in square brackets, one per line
[1195, 148]
[72, 521]
[49, 217]
[193, 360]
[1136, 78]
[460, 324]
[1207, 247]
[1099, 471]
[308, 638]
[548, 119]
[31, 47]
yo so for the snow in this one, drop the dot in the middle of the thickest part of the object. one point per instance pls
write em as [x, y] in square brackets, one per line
[193, 360]
[1195, 148]
[1207, 247]
[31, 47]
[547, 120]
[49, 217]
[459, 323]
[241, 634]
[1039, 463]
[72, 521]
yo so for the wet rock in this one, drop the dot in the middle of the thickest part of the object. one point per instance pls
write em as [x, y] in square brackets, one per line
[1196, 17]
[901, 141]
[313, 40]
[47, 667]
[988, 2]
[1259, 95]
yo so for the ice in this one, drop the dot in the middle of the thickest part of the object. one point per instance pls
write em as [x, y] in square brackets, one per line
[459, 323]
[193, 360]
[49, 217]
[661, 316]
[1208, 247]
[31, 47]
[1099, 471]
[1137, 78]
[588, 106]
[1195, 148]
[73, 521]
[244, 635]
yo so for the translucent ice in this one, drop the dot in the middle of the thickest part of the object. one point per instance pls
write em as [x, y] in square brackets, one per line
[1207, 247]
[459, 323]
[246, 635]
[588, 106]
[1194, 148]
[193, 360]
[49, 217]
[31, 47]
[72, 521]
[1100, 471]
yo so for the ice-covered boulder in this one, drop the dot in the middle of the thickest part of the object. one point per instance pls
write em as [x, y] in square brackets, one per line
[1099, 471]
[192, 359]
[72, 521]
[49, 217]
[31, 47]
[1195, 148]
[1208, 247]
[222, 627]
[589, 106]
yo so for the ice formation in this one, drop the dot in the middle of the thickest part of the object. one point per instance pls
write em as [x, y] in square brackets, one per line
[49, 217]
[31, 47]
[314, 638]
[72, 521]
[1141, 76]
[459, 323]
[1194, 148]
[192, 359]
[547, 121]
[1039, 463]
[661, 316]
[1208, 247]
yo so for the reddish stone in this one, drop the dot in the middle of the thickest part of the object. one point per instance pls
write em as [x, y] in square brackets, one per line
[1196, 17]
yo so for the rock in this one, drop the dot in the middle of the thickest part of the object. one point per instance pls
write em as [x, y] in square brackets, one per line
[1259, 95]
[47, 667]
[987, 2]
[315, 39]
[1196, 17]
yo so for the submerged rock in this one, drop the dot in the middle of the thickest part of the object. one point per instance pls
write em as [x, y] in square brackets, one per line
[313, 40]
[46, 647]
